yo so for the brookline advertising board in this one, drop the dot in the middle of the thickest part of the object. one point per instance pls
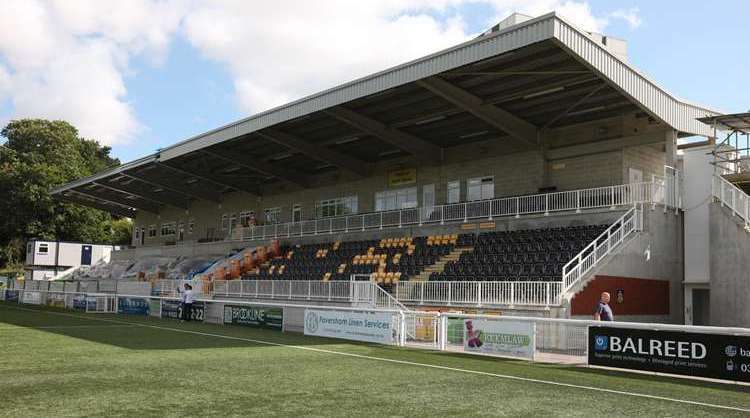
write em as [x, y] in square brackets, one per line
[254, 316]
[684, 353]
[505, 338]
[372, 327]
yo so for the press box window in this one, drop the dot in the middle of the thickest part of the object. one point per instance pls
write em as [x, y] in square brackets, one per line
[480, 188]
[168, 229]
[273, 215]
[454, 191]
[336, 207]
[247, 218]
[396, 199]
[43, 248]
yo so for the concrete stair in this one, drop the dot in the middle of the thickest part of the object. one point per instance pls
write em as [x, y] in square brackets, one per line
[439, 265]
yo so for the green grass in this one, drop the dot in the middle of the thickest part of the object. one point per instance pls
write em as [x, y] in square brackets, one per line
[59, 363]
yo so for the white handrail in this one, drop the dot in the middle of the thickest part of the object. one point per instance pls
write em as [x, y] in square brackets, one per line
[459, 293]
[656, 191]
[479, 293]
[601, 246]
[731, 196]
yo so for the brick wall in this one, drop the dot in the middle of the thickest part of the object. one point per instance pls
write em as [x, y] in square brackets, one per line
[640, 296]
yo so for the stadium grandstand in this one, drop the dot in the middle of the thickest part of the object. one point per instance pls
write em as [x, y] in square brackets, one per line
[430, 240]
[523, 172]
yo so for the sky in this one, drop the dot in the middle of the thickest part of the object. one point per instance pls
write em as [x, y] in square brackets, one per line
[139, 75]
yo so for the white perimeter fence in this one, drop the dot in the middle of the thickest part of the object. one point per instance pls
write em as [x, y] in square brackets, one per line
[539, 339]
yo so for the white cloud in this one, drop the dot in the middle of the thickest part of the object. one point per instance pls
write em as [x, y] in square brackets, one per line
[68, 59]
[631, 16]
[285, 50]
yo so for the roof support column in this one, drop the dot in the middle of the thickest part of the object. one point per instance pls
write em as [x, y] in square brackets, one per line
[670, 148]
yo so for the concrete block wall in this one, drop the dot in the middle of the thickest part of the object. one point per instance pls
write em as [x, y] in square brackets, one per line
[729, 284]
[647, 158]
[656, 253]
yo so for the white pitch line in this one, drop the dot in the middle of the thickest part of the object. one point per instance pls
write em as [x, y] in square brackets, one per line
[412, 363]
[23, 327]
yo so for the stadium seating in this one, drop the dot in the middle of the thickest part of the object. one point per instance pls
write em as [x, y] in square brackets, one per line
[526, 255]
[522, 255]
[388, 260]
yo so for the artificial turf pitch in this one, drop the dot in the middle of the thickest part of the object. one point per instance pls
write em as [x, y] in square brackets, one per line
[61, 363]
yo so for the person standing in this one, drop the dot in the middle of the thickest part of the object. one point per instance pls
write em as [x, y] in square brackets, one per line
[187, 297]
[603, 312]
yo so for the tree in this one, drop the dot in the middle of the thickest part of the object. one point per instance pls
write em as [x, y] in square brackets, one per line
[38, 156]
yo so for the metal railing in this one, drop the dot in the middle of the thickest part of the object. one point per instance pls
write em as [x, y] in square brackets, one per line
[601, 246]
[478, 293]
[660, 190]
[463, 293]
[359, 293]
[732, 197]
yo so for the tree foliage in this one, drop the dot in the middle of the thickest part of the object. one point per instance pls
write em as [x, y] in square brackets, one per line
[38, 156]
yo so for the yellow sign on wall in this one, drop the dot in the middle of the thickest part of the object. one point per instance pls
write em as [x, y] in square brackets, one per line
[402, 177]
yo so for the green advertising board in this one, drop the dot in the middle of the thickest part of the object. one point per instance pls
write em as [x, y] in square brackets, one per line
[456, 331]
[254, 316]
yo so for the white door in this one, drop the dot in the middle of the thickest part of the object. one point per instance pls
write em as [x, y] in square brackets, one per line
[635, 175]
[428, 200]
[296, 213]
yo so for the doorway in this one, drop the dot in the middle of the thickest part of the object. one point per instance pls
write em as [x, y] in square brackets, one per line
[86, 255]
[701, 307]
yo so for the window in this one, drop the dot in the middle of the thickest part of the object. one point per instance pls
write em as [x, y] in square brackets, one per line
[224, 222]
[247, 218]
[168, 229]
[151, 231]
[454, 191]
[29, 248]
[137, 233]
[396, 199]
[43, 248]
[233, 221]
[336, 207]
[273, 215]
[297, 213]
[191, 226]
[480, 188]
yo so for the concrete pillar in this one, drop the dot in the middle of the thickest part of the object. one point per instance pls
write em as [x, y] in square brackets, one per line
[670, 146]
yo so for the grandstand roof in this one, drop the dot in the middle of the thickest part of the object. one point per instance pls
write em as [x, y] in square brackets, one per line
[735, 122]
[506, 85]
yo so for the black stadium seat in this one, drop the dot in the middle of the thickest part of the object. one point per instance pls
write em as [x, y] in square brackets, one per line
[524, 255]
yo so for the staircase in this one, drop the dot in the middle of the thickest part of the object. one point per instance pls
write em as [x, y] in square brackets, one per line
[578, 272]
[439, 265]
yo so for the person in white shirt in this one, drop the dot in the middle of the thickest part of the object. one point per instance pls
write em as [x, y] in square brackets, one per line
[187, 297]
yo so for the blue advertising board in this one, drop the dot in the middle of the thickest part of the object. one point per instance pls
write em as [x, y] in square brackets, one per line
[80, 303]
[11, 295]
[133, 306]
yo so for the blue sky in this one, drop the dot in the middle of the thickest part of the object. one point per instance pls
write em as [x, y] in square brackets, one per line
[139, 88]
